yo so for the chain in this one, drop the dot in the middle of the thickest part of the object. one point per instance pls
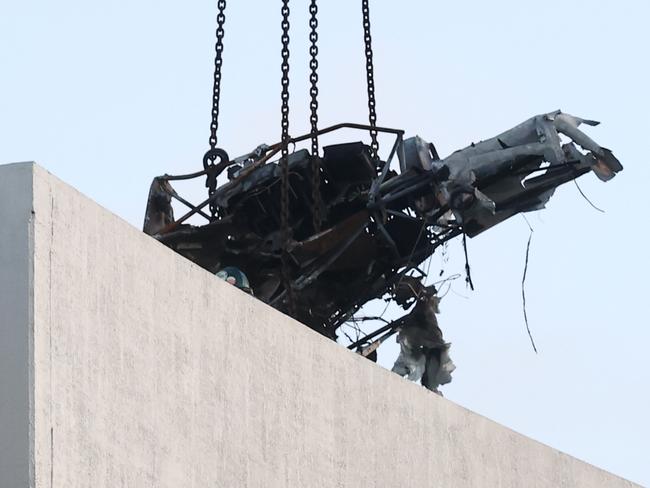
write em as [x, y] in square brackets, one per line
[284, 160]
[313, 105]
[370, 78]
[210, 164]
[218, 61]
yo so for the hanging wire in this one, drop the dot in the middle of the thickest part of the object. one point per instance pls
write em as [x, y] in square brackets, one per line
[468, 272]
[523, 282]
[523, 292]
[585, 197]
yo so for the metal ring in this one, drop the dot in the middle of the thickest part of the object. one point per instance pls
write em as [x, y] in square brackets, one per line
[212, 155]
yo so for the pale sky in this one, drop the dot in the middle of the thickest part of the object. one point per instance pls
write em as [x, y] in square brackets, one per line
[107, 95]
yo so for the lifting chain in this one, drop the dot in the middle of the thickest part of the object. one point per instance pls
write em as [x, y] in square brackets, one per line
[313, 105]
[210, 164]
[218, 61]
[370, 79]
[284, 160]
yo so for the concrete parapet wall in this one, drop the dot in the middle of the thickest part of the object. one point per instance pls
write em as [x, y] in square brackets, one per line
[148, 371]
[16, 321]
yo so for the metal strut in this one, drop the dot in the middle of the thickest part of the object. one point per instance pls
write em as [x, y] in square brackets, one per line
[284, 160]
[370, 79]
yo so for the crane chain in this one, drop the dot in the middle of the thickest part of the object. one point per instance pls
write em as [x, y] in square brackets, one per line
[317, 218]
[209, 160]
[284, 160]
[370, 79]
[218, 61]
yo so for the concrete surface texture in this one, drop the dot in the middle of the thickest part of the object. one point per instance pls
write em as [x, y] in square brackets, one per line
[15, 323]
[148, 371]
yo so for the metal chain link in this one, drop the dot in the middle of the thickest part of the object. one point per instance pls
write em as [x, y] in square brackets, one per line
[284, 160]
[218, 61]
[210, 165]
[313, 105]
[370, 78]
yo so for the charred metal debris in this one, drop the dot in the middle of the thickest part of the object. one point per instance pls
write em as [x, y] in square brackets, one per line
[376, 223]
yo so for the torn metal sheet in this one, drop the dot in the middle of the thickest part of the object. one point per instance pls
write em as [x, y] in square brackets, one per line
[377, 223]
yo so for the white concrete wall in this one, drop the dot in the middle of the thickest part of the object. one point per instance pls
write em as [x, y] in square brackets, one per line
[15, 323]
[151, 372]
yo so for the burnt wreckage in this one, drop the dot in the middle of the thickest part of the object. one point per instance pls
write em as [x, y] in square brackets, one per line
[363, 229]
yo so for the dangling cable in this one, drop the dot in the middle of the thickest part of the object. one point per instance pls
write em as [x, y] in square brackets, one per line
[523, 292]
[370, 79]
[468, 271]
[284, 160]
[523, 284]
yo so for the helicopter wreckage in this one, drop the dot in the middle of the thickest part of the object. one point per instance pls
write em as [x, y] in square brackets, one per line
[359, 229]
